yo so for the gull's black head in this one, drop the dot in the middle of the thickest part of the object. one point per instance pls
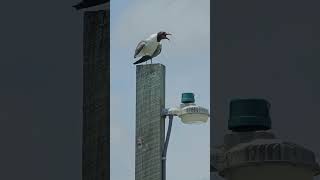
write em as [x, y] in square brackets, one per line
[162, 35]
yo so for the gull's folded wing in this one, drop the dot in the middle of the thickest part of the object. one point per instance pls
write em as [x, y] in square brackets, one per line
[139, 47]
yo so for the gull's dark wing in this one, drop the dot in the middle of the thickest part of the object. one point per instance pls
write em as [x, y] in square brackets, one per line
[139, 47]
[157, 51]
[143, 59]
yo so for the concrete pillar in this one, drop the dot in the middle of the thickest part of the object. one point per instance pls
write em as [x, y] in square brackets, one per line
[150, 126]
[96, 99]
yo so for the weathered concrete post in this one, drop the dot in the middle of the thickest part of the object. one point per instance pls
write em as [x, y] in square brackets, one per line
[96, 98]
[150, 125]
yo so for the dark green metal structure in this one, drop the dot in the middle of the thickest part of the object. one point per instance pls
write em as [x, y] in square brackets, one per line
[96, 83]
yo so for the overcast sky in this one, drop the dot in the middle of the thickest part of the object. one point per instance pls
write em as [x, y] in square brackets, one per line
[187, 61]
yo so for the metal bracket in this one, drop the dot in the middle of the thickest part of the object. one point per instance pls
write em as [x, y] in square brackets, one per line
[168, 112]
[164, 112]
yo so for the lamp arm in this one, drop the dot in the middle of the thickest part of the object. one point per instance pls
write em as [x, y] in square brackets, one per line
[166, 143]
[165, 147]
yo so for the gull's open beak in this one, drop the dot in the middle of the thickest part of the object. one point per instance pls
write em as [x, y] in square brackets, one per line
[167, 37]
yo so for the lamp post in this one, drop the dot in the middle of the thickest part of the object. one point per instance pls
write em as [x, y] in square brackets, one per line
[189, 113]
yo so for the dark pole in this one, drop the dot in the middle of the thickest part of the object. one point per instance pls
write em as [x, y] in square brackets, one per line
[165, 147]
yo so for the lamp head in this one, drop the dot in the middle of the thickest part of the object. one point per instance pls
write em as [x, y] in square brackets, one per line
[193, 114]
[190, 113]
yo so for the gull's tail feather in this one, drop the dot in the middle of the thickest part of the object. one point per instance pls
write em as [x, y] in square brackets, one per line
[143, 59]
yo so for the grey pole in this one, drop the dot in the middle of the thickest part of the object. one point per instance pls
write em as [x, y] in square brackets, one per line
[164, 152]
[150, 124]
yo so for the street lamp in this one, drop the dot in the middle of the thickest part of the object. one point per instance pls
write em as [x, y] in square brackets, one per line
[189, 113]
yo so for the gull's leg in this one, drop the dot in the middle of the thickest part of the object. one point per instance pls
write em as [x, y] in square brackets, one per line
[151, 60]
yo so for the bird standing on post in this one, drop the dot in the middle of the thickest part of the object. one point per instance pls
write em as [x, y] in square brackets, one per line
[150, 47]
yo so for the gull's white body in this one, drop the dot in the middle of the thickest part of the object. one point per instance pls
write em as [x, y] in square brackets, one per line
[150, 46]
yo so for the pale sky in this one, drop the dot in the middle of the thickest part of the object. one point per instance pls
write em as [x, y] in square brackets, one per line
[187, 61]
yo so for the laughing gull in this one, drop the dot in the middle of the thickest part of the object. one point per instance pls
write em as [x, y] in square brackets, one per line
[150, 47]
